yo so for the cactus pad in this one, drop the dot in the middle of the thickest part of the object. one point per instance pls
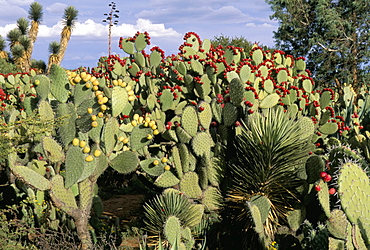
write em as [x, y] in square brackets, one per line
[31, 177]
[167, 179]
[189, 185]
[125, 162]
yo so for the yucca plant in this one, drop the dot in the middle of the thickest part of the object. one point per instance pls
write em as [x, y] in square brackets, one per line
[270, 149]
[69, 21]
[3, 53]
[169, 205]
[54, 48]
[35, 14]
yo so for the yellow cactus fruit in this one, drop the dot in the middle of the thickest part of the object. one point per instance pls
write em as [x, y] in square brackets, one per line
[151, 123]
[136, 117]
[134, 123]
[103, 107]
[98, 92]
[100, 114]
[97, 153]
[121, 138]
[115, 82]
[164, 160]
[125, 140]
[167, 167]
[92, 79]
[155, 162]
[146, 124]
[37, 82]
[105, 99]
[93, 117]
[149, 136]
[75, 142]
[154, 127]
[125, 148]
[119, 81]
[83, 74]
[147, 119]
[156, 132]
[141, 119]
[86, 149]
[88, 85]
[128, 88]
[73, 74]
[95, 83]
[131, 98]
[89, 110]
[95, 88]
[82, 144]
[86, 78]
[100, 98]
[89, 158]
[94, 124]
[123, 84]
[131, 92]
[77, 79]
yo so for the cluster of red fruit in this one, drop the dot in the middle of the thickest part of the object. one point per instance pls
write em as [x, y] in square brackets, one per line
[326, 178]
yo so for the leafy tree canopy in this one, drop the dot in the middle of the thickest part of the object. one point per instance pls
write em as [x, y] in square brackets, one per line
[333, 34]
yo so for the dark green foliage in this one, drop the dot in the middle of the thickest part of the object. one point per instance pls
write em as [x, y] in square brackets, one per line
[334, 35]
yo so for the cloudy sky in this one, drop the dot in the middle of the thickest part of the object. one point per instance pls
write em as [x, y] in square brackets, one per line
[166, 21]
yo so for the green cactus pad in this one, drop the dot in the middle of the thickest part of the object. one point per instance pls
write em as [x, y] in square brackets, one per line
[314, 165]
[189, 120]
[282, 76]
[245, 73]
[109, 133]
[88, 169]
[184, 156]
[263, 204]
[295, 218]
[255, 217]
[236, 91]
[182, 135]
[306, 125]
[204, 114]
[189, 185]
[86, 189]
[140, 42]
[119, 100]
[31, 177]
[325, 99]
[128, 46]
[151, 169]
[357, 240]
[61, 196]
[201, 144]
[300, 65]
[155, 58]
[216, 110]
[269, 101]
[354, 194]
[67, 130]
[166, 99]
[212, 198]
[323, 196]
[337, 224]
[52, 149]
[177, 161]
[75, 160]
[125, 162]
[172, 230]
[167, 179]
[328, 128]
[59, 85]
[101, 164]
[257, 56]
[197, 211]
[229, 114]
[43, 88]
[138, 137]
[45, 111]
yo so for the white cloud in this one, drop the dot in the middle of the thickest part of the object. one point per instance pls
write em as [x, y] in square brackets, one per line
[90, 29]
[56, 8]
[262, 25]
[17, 2]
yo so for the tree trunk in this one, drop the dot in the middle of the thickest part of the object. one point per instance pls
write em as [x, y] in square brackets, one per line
[82, 222]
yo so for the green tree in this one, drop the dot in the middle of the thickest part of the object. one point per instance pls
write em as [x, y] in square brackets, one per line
[235, 41]
[333, 34]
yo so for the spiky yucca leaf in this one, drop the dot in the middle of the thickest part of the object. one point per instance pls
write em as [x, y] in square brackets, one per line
[166, 204]
[268, 153]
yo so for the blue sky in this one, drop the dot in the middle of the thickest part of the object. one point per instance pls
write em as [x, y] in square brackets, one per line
[166, 21]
